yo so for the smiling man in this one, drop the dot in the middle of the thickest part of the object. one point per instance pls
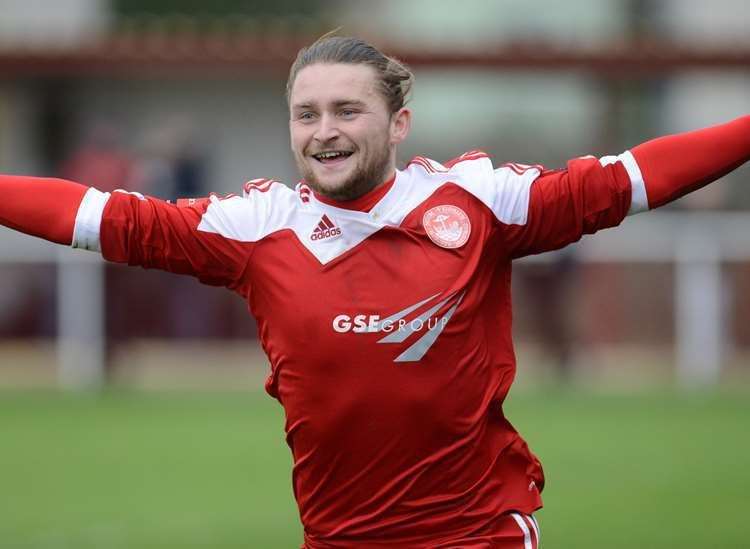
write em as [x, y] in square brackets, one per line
[342, 142]
[383, 296]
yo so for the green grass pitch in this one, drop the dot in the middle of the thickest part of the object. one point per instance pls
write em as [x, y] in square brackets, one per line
[184, 470]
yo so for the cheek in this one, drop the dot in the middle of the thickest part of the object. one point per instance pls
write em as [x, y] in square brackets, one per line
[299, 140]
[379, 142]
[375, 140]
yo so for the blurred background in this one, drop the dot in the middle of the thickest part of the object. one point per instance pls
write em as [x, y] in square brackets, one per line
[132, 411]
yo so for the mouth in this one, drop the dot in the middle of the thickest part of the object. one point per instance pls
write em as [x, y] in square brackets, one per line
[332, 157]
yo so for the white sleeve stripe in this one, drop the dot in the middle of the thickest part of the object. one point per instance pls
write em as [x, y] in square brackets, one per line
[639, 198]
[89, 220]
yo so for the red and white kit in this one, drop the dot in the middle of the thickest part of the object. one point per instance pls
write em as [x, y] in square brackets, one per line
[387, 320]
[388, 327]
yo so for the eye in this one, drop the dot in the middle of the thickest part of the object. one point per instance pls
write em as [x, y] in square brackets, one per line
[348, 113]
[306, 116]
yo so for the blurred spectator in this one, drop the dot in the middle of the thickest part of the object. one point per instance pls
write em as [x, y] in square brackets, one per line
[172, 166]
[547, 288]
[28, 295]
[101, 160]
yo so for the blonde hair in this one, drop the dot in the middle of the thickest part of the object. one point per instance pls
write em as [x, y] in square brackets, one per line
[395, 80]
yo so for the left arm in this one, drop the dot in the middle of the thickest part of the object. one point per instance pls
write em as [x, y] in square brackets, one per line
[592, 194]
[675, 165]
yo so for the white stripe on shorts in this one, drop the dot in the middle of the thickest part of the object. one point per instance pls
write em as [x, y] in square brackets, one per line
[535, 526]
[525, 529]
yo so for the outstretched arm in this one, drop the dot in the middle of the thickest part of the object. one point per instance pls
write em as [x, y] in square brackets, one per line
[42, 207]
[675, 165]
[593, 194]
[125, 227]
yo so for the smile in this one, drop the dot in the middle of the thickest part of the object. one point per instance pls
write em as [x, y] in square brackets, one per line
[332, 156]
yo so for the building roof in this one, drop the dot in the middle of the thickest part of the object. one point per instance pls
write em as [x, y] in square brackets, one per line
[239, 46]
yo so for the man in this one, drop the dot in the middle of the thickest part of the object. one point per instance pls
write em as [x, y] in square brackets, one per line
[383, 296]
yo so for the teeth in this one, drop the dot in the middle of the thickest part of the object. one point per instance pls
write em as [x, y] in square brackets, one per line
[328, 155]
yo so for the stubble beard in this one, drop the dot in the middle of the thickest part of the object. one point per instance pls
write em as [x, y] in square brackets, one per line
[367, 174]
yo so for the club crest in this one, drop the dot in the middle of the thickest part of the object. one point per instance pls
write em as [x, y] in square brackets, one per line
[447, 226]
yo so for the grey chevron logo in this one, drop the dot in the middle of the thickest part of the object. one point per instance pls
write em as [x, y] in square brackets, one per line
[401, 326]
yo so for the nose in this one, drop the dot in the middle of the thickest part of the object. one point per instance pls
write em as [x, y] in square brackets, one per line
[327, 129]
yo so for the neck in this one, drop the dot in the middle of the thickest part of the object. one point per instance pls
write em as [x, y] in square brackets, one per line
[363, 202]
[360, 188]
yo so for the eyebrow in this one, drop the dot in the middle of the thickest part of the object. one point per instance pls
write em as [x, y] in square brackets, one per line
[338, 104]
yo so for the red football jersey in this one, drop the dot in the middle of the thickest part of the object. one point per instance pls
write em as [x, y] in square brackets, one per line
[388, 330]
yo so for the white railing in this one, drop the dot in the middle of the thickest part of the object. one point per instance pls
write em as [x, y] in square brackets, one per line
[80, 305]
[697, 243]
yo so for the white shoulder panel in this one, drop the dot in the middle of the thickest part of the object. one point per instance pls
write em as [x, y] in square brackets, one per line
[328, 231]
[511, 199]
[505, 191]
[274, 207]
[254, 216]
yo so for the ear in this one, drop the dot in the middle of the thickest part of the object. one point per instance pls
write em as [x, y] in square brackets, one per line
[400, 125]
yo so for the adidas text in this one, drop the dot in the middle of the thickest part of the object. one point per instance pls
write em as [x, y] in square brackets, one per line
[328, 233]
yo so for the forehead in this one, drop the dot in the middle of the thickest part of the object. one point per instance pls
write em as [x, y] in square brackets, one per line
[323, 83]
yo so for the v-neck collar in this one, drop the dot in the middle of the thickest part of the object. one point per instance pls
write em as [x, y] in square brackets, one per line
[381, 201]
[364, 203]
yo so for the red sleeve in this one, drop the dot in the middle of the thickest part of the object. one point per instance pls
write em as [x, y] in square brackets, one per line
[675, 165]
[566, 204]
[155, 234]
[40, 206]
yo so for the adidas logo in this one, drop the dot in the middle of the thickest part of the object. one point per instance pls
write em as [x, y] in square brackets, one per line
[325, 229]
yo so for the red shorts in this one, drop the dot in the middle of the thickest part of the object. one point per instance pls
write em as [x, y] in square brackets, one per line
[513, 531]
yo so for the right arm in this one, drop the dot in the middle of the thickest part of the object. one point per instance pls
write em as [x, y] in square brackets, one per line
[39, 206]
[126, 227]
[184, 239]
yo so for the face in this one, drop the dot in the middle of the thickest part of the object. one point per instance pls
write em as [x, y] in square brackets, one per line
[343, 135]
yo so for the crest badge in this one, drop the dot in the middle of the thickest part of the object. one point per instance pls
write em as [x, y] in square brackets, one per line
[447, 226]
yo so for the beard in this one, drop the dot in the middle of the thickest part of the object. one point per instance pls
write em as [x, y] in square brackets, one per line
[369, 172]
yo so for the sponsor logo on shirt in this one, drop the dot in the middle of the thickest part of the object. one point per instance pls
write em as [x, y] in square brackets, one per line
[413, 321]
[325, 229]
[447, 226]
[373, 323]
